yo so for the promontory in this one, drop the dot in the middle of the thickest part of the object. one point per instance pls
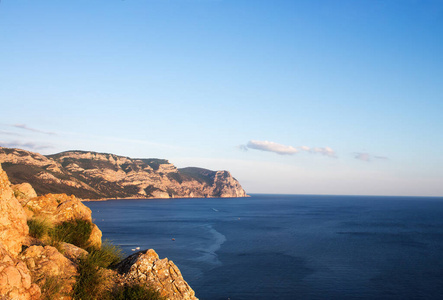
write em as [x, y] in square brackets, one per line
[92, 175]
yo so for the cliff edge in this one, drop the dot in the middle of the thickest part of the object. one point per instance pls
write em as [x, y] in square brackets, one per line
[91, 175]
[50, 249]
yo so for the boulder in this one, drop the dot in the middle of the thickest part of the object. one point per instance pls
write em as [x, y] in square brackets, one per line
[95, 240]
[72, 252]
[57, 208]
[161, 274]
[23, 192]
[15, 279]
[47, 263]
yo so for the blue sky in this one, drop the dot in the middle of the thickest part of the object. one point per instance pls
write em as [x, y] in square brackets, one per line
[304, 97]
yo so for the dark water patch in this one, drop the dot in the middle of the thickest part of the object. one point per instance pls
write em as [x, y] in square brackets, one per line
[290, 246]
[232, 280]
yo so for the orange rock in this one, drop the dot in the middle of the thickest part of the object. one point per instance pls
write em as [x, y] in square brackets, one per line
[13, 227]
[57, 208]
[161, 274]
[45, 262]
[15, 278]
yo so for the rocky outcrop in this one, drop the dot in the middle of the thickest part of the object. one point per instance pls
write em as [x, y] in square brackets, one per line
[15, 278]
[30, 269]
[57, 208]
[13, 227]
[47, 263]
[23, 192]
[91, 175]
[161, 274]
[72, 252]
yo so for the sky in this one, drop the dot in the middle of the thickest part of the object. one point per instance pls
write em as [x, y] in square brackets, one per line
[293, 97]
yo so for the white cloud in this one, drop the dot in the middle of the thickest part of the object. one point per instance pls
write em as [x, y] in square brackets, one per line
[284, 149]
[272, 147]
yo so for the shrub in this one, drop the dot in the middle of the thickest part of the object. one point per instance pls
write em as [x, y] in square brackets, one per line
[91, 281]
[135, 292]
[107, 256]
[88, 281]
[75, 232]
[52, 289]
[38, 228]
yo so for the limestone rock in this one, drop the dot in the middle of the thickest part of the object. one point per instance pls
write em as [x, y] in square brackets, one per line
[57, 208]
[72, 252]
[91, 175]
[161, 274]
[95, 240]
[47, 263]
[23, 192]
[227, 186]
[15, 279]
[13, 227]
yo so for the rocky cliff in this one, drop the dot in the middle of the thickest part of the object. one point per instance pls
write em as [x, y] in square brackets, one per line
[39, 265]
[92, 175]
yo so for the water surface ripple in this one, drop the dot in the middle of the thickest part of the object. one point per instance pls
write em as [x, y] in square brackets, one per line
[289, 246]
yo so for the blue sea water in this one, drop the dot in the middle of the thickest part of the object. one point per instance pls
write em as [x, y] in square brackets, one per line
[289, 246]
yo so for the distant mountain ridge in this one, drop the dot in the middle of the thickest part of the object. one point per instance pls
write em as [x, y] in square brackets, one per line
[92, 175]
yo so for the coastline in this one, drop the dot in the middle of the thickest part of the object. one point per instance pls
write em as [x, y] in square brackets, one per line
[157, 198]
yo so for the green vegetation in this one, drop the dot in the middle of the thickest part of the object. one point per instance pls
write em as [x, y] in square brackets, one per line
[108, 256]
[38, 228]
[155, 163]
[135, 292]
[18, 194]
[199, 174]
[52, 288]
[93, 281]
[76, 232]
[177, 177]
[89, 280]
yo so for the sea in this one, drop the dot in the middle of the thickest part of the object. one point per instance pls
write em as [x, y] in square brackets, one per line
[289, 246]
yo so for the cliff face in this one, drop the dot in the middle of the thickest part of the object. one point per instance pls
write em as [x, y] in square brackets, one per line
[98, 175]
[15, 278]
[29, 266]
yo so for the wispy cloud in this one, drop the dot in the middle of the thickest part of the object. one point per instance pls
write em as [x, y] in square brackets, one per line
[243, 147]
[368, 157]
[24, 145]
[26, 127]
[284, 149]
[3, 132]
[272, 147]
[362, 156]
[323, 150]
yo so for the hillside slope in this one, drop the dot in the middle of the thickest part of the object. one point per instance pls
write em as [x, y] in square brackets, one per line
[92, 175]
